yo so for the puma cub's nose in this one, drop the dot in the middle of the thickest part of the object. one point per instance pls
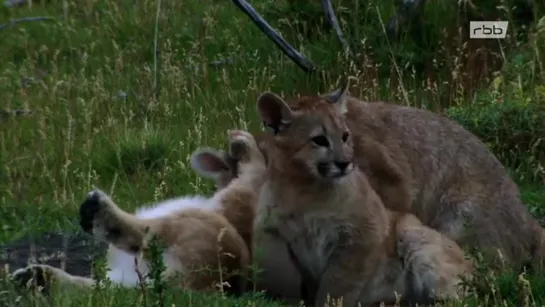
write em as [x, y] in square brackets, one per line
[342, 165]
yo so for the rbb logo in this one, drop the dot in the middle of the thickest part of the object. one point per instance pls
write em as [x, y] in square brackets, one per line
[488, 29]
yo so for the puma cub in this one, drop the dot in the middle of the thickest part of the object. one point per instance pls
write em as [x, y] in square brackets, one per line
[343, 240]
[197, 231]
[428, 165]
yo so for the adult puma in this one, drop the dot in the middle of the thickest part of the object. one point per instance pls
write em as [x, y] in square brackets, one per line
[344, 242]
[197, 231]
[429, 165]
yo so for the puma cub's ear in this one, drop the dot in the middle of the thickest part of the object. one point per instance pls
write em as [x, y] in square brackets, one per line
[209, 163]
[339, 97]
[274, 111]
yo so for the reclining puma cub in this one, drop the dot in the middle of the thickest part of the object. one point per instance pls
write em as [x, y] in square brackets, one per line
[276, 274]
[343, 241]
[197, 231]
[422, 163]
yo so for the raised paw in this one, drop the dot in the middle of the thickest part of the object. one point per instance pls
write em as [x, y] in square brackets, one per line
[97, 215]
[242, 145]
[34, 276]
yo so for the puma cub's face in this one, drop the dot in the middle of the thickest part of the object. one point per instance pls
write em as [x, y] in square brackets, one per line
[319, 143]
[311, 133]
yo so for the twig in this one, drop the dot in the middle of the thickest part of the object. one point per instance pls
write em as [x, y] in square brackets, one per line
[221, 62]
[399, 74]
[19, 20]
[141, 279]
[155, 47]
[14, 3]
[334, 23]
[273, 35]
[16, 112]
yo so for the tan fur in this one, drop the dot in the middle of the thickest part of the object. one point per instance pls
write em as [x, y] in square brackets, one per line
[239, 197]
[229, 169]
[345, 242]
[434, 260]
[427, 164]
[197, 241]
[274, 274]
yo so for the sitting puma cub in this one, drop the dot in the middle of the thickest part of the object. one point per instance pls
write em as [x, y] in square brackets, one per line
[197, 231]
[343, 240]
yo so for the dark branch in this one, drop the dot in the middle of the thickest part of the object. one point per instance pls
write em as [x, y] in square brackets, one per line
[334, 23]
[15, 21]
[407, 11]
[221, 62]
[14, 3]
[273, 35]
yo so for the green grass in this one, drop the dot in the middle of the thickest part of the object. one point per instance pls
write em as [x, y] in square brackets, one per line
[98, 120]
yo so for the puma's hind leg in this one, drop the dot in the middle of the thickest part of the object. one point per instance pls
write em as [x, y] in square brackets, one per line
[433, 263]
[239, 198]
[251, 162]
[100, 216]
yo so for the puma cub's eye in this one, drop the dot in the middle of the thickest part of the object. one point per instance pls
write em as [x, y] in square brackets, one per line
[345, 136]
[320, 140]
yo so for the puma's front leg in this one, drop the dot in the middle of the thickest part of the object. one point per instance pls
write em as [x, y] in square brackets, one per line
[338, 287]
[309, 284]
[100, 216]
[357, 277]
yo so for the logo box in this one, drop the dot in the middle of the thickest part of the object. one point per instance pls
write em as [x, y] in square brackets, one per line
[488, 29]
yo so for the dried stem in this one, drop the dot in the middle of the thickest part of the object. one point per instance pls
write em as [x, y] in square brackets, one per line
[334, 23]
[19, 20]
[273, 35]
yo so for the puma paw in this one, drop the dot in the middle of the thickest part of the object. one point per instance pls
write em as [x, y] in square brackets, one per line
[97, 216]
[34, 276]
[242, 145]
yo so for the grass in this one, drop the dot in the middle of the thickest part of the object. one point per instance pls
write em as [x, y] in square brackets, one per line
[109, 111]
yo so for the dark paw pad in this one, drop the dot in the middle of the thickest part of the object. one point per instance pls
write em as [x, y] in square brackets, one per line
[33, 277]
[88, 210]
[240, 143]
[238, 150]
